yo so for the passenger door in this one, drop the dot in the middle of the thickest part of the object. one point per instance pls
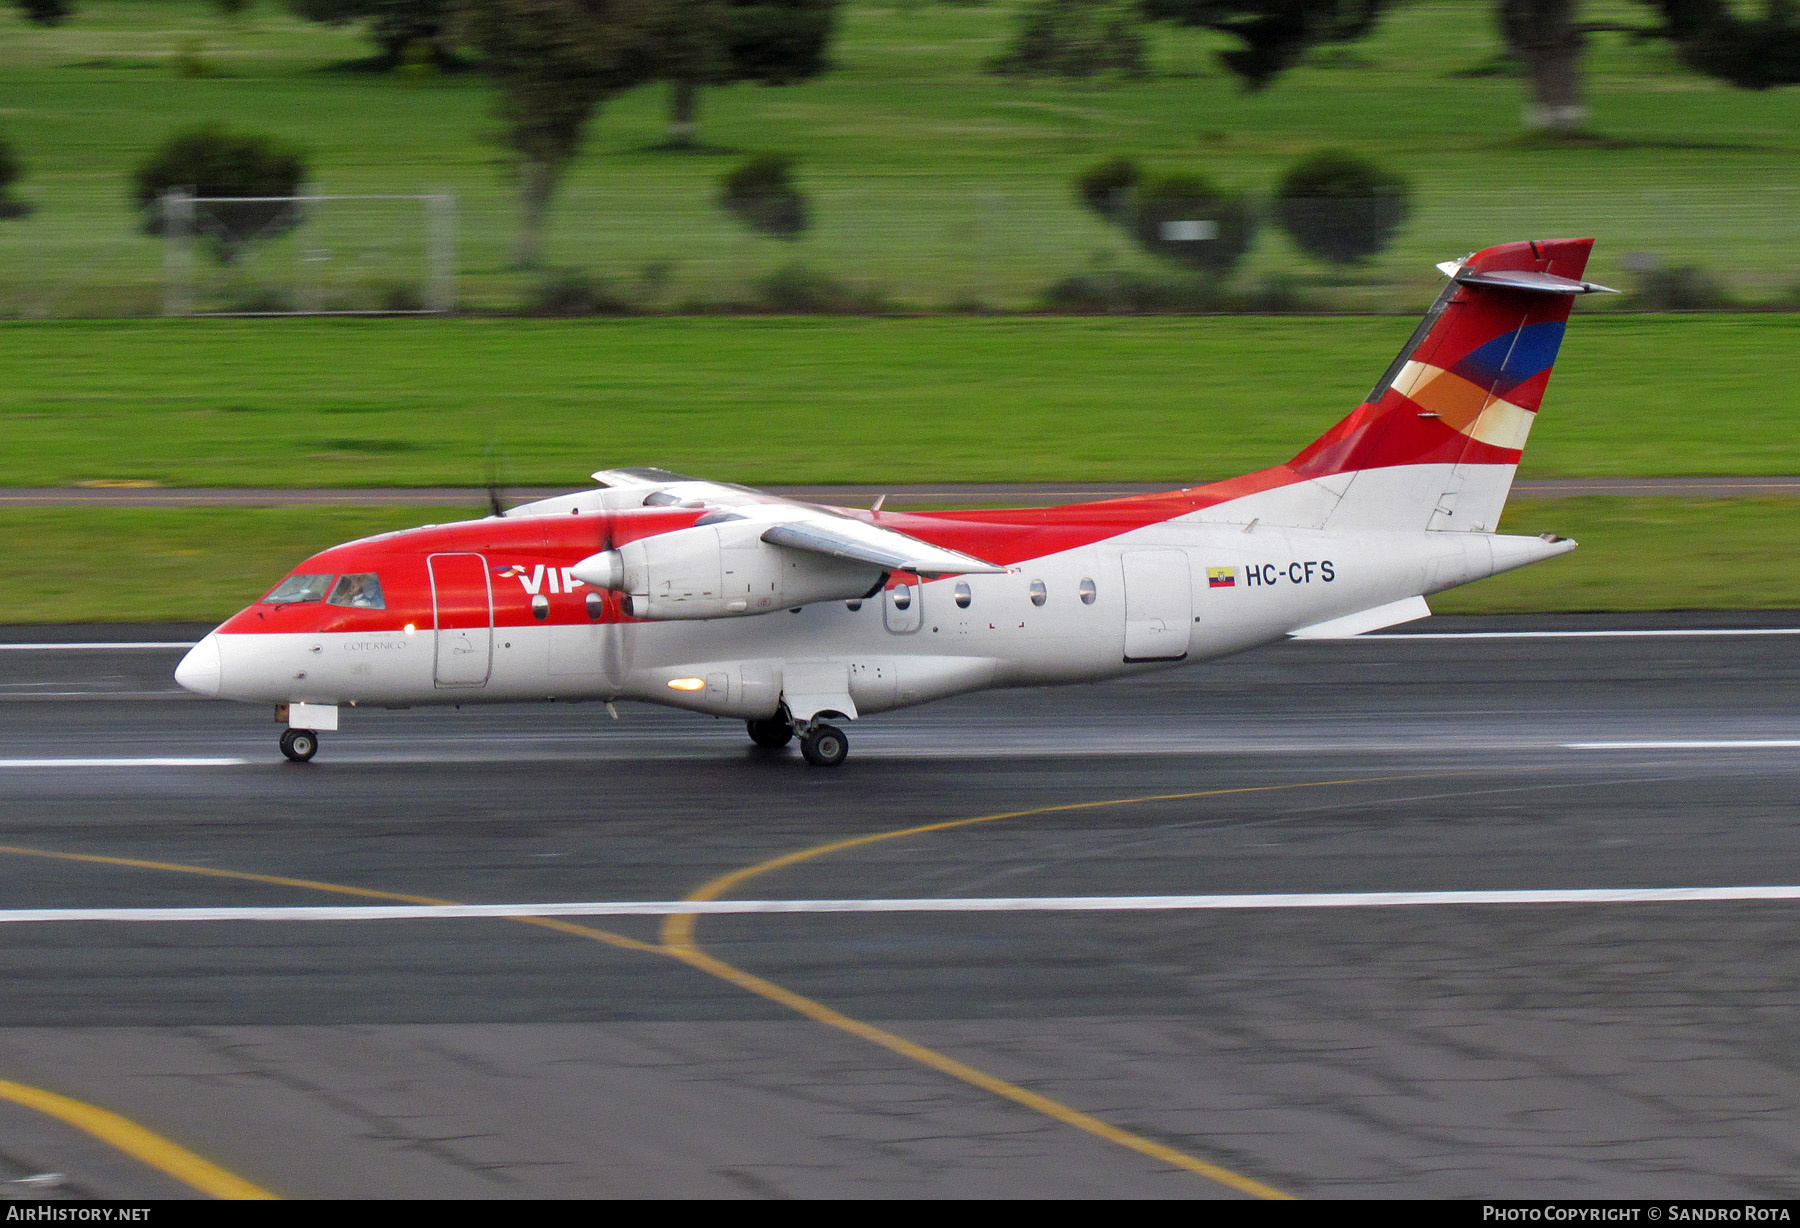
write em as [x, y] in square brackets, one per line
[1159, 605]
[462, 604]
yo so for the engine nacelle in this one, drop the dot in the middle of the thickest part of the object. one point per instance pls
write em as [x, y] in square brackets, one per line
[722, 571]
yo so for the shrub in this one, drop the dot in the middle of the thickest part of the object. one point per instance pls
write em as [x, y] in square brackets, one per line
[46, 12]
[11, 168]
[261, 300]
[399, 297]
[190, 60]
[1341, 208]
[1118, 292]
[1185, 219]
[211, 161]
[570, 292]
[1078, 39]
[1685, 287]
[762, 195]
[1107, 188]
[798, 290]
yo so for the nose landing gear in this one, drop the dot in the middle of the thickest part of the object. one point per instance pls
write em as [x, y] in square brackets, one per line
[299, 745]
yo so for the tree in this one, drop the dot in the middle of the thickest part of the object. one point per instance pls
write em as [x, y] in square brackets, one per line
[720, 42]
[1549, 39]
[1078, 39]
[1274, 34]
[1185, 219]
[1109, 188]
[1338, 207]
[394, 25]
[555, 62]
[762, 195]
[1753, 53]
[208, 160]
[46, 12]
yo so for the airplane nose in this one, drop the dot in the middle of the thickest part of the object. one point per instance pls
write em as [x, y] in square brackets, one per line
[200, 670]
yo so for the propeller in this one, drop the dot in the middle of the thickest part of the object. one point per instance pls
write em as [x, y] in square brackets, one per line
[496, 508]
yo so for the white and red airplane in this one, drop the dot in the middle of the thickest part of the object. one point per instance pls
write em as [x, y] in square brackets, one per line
[727, 601]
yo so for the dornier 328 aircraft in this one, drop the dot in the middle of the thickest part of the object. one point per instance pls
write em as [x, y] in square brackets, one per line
[727, 601]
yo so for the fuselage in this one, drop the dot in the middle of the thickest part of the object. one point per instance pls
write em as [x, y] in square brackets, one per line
[486, 611]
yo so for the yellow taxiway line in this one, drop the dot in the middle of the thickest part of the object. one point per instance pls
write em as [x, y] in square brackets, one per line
[123, 1134]
[678, 942]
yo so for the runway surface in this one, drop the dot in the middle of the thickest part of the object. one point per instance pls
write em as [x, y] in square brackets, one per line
[1595, 1048]
[933, 494]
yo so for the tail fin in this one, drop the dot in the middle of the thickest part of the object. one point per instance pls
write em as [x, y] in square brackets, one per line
[1437, 442]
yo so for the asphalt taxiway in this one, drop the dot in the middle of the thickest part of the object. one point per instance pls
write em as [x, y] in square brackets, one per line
[1537, 1050]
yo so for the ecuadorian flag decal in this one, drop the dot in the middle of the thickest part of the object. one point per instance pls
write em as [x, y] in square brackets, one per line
[1221, 577]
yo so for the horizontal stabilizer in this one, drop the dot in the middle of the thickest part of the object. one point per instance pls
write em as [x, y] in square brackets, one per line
[1390, 615]
[1522, 279]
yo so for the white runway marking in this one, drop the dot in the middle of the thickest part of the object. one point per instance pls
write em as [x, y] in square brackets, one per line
[104, 763]
[1567, 635]
[1073, 903]
[98, 646]
[1746, 744]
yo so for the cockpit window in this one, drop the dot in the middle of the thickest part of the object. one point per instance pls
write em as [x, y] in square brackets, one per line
[359, 592]
[299, 588]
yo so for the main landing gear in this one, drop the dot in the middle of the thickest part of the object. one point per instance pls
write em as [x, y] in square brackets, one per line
[772, 732]
[821, 745]
[299, 744]
[824, 745]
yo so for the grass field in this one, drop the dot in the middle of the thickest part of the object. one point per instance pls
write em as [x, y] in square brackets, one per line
[202, 564]
[364, 403]
[929, 177]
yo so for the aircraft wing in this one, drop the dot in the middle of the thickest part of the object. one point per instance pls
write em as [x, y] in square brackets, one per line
[797, 526]
[660, 488]
[843, 538]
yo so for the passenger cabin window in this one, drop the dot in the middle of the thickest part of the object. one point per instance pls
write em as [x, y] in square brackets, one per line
[298, 588]
[1039, 594]
[963, 596]
[1088, 592]
[361, 591]
[596, 605]
[902, 597]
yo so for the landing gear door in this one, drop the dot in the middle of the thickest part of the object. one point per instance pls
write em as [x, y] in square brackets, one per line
[462, 606]
[1159, 605]
[903, 604]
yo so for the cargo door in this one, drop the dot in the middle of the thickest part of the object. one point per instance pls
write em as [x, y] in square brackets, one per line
[462, 605]
[1159, 605]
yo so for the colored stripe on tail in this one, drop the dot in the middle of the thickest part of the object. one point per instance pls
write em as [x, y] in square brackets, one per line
[1439, 438]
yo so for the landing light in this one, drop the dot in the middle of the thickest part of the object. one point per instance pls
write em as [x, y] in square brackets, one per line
[687, 684]
[411, 629]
